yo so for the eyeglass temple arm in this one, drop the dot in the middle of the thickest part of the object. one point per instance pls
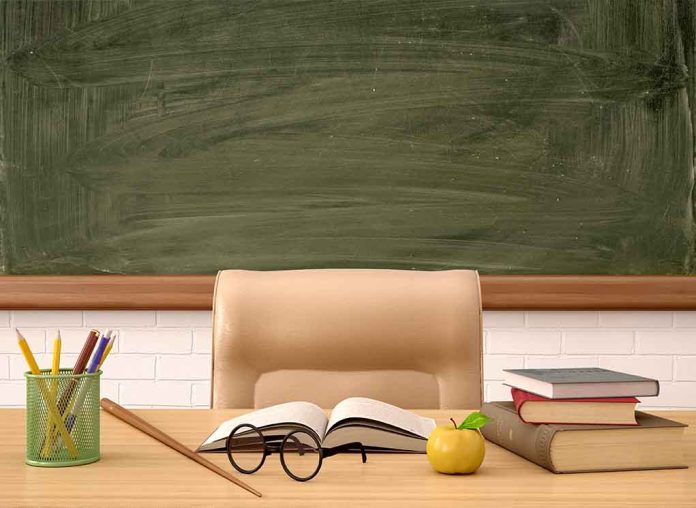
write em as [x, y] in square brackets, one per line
[328, 452]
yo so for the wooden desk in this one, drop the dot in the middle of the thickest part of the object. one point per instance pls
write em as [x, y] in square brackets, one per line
[135, 470]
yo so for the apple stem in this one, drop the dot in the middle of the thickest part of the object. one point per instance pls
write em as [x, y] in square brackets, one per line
[453, 422]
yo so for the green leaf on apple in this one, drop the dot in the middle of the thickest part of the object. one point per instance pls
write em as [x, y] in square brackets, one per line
[475, 420]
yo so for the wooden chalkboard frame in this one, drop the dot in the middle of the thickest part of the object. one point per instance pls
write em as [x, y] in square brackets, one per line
[499, 292]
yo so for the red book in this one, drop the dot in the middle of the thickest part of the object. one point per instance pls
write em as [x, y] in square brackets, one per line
[533, 408]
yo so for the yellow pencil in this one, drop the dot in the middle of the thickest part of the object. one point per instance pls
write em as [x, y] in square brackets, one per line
[55, 370]
[46, 395]
[56, 354]
[28, 355]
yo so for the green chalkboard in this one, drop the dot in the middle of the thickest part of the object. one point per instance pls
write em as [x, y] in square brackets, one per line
[530, 136]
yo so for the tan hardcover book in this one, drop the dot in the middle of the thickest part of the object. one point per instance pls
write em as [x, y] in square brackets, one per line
[655, 443]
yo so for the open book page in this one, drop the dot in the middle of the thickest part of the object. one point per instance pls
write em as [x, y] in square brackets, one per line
[302, 413]
[369, 409]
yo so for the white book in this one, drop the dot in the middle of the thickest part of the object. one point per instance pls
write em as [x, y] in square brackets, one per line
[377, 425]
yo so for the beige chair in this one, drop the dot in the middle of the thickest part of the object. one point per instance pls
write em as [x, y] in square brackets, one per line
[410, 338]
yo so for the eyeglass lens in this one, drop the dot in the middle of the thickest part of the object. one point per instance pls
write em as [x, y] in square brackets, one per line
[246, 449]
[300, 455]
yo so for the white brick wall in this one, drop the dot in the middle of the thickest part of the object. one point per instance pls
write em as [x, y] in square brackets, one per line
[656, 344]
[163, 358]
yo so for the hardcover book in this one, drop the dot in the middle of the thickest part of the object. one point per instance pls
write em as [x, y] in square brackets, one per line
[578, 383]
[377, 425]
[655, 443]
[533, 408]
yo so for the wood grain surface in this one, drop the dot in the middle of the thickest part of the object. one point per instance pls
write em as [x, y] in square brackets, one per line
[195, 292]
[137, 471]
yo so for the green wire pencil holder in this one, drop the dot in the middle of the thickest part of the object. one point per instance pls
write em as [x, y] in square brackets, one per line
[62, 424]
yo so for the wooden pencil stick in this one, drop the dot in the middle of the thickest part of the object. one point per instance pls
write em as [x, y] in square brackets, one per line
[79, 368]
[135, 421]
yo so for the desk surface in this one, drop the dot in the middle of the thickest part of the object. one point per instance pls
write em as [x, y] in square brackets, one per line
[135, 470]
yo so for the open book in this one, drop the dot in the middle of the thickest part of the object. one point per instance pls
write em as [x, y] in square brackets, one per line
[377, 425]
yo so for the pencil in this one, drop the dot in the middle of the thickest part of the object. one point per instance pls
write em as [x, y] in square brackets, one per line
[79, 368]
[109, 346]
[99, 352]
[28, 355]
[45, 394]
[56, 354]
[55, 370]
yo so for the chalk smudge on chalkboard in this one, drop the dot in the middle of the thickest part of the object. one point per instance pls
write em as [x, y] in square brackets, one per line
[540, 136]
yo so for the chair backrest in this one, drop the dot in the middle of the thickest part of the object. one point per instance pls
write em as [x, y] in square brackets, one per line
[410, 338]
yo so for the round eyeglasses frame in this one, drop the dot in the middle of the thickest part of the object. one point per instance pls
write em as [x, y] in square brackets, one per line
[269, 448]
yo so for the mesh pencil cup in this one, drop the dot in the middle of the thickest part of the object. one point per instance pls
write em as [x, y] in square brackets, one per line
[62, 424]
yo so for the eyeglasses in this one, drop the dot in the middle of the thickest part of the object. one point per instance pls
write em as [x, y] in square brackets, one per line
[301, 454]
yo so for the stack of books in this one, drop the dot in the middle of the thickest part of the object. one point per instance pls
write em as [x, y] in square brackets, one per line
[583, 420]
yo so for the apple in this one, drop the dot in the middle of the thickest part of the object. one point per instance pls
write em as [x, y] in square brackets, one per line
[457, 449]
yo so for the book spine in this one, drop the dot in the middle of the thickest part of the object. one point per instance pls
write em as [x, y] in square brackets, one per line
[529, 441]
